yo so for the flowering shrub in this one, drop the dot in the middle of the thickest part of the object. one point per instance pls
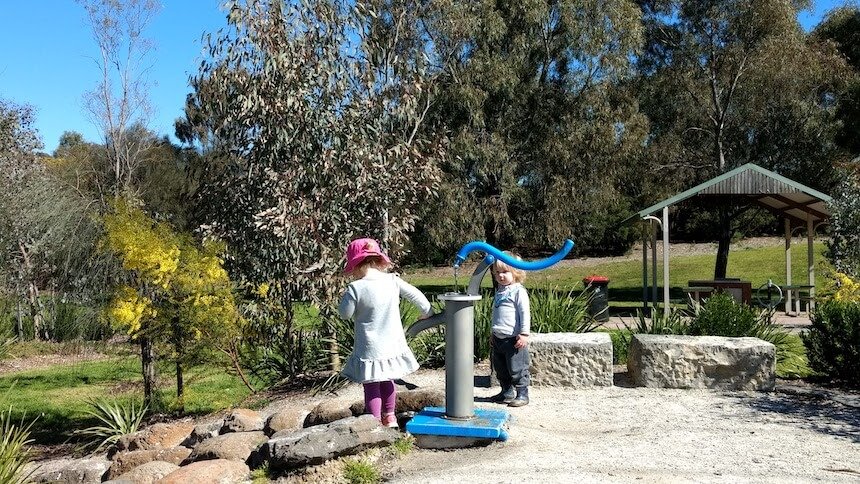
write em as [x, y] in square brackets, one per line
[179, 292]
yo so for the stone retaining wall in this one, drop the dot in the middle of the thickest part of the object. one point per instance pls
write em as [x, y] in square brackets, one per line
[571, 359]
[672, 361]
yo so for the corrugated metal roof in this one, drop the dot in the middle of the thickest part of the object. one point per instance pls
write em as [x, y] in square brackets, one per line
[762, 187]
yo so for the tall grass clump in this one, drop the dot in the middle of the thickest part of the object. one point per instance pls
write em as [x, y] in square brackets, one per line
[558, 311]
[14, 455]
[360, 472]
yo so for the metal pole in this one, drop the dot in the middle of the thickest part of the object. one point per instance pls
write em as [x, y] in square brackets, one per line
[810, 263]
[459, 355]
[787, 265]
[653, 266]
[644, 270]
[666, 259]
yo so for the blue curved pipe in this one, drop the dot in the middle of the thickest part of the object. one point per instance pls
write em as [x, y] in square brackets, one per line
[535, 265]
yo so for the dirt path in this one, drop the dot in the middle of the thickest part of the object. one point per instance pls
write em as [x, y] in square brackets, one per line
[624, 434]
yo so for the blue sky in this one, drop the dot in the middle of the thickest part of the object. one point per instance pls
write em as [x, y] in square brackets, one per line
[47, 52]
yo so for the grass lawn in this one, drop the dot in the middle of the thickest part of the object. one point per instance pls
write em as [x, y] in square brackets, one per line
[57, 396]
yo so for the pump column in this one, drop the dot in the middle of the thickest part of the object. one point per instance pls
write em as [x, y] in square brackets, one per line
[459, 355]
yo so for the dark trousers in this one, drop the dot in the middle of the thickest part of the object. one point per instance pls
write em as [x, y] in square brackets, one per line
[510, 364]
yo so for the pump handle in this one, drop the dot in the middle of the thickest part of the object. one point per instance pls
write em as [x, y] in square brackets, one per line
[535, 265]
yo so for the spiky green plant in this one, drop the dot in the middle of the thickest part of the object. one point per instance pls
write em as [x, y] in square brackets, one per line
[403, 445]
[14, 454]
[116, 419]
[558, 311]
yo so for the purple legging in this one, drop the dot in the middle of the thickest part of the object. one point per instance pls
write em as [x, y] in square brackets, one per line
[379, 397]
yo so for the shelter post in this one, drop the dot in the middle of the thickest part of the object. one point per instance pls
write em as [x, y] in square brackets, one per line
[666, 259]
[787, 264]
[810, 263]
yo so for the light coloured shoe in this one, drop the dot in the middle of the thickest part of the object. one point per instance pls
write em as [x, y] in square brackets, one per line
[390, 421]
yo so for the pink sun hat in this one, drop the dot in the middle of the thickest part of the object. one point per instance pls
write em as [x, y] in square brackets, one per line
[359, 249]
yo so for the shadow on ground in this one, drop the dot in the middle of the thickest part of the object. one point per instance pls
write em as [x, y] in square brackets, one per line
[817, 412]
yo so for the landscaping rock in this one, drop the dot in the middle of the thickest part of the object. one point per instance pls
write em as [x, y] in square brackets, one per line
[160, 435]
[218, 471]
[416, 400]
[328, 411]
[243, 420]
[235, 446]
[126, 461]
[317, 444]
[289, 419]
[670, 361]
[78, 471]
[202, 432]
[574, 360]
[147, 473]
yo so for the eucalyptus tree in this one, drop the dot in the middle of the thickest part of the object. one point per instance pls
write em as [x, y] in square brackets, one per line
[541, 139]
[120, 100]
[841, 26]
[19, 164]
[733, 81]
[311, 115]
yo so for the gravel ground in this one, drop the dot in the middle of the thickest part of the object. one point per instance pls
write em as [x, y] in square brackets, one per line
[627, 434]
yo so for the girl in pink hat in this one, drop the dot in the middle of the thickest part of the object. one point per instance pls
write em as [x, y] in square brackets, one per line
[380, 354]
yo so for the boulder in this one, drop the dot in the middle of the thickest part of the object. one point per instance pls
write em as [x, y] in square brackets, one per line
[671, 361]
[243, 420]
[160, 435]
[416, 400]
[218, 471]
[328, 411]
[232, 446]
[126, 461]
[147, 473]
[78, 471]
[575, 360]
[318, 444]
[202, 432]
[288, 419]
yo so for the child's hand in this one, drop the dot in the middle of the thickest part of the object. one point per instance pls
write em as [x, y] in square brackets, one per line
[522, 341]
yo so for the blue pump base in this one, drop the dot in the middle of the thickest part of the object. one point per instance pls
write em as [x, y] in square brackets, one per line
[485, 427]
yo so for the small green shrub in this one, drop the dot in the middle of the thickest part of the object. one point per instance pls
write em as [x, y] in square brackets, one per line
[721, 315]
[14, 455]
[833, 341]
[403, 445]
[260, 475]
[360, 472]
[117, 419]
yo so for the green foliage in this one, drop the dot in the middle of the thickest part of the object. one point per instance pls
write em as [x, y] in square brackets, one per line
[116, 419]
[833, 341]
[14, 455]
[261, 474]
[403, 445]
[357, 471]
[61, 394]
[556, 311]
[660, 322]
[527, 92]
[721, 315]
[843, 246]
[620, 345]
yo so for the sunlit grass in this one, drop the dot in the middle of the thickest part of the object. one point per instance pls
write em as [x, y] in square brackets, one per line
[756, 265]
[59, 394]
